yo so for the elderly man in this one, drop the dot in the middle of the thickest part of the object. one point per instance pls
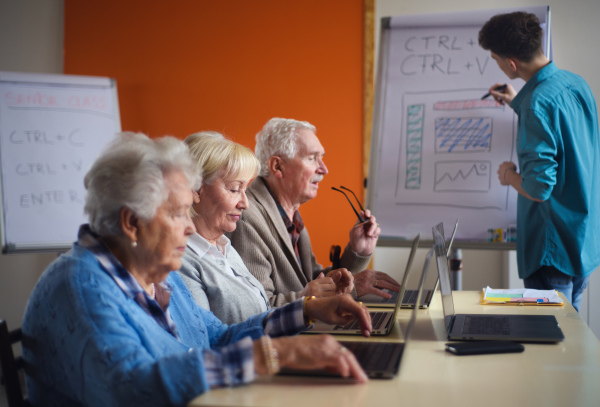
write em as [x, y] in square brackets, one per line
[270, 235]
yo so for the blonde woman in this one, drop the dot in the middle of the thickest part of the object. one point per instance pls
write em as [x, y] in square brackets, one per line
[212, 269]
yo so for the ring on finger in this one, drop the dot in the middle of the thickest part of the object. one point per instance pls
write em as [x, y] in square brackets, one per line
[376, 282]
[343, 349]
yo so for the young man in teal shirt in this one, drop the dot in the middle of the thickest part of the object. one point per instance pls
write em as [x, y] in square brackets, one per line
[558, 148]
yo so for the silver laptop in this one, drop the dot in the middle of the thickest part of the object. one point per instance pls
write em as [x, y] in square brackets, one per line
[382, 321]
[372, 300]
[409, 299]
[379, 360]
[464, 327]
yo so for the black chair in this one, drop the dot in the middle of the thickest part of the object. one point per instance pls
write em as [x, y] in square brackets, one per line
[11, 366]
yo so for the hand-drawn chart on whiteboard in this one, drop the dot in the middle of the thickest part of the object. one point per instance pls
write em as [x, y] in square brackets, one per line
[436, 144]
[451, 158]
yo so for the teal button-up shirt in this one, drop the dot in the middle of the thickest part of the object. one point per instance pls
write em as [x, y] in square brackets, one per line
[559, 159]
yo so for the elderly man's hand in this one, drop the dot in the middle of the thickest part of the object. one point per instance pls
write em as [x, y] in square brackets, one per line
[373, 282]
[363, 236]
[339, 310]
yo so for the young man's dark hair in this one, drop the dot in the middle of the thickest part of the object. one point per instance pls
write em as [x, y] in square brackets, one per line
[514, 35]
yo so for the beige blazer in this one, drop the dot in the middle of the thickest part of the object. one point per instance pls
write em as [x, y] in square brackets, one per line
[264, 244]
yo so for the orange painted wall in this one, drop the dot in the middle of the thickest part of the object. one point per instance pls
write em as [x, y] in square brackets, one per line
[183, 66]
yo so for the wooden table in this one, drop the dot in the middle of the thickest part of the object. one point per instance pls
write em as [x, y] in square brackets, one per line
[565, 374]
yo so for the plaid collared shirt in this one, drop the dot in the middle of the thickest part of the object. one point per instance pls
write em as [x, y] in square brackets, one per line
[234, 364]
[159, 312]
[227, 366]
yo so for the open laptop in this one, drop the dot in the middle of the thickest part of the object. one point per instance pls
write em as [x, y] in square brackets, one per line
[464, 327]
[382, 321]
[379, 360]
[372, 300]
[409, 299]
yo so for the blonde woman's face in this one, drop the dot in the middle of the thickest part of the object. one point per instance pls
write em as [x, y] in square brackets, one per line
[219, 207]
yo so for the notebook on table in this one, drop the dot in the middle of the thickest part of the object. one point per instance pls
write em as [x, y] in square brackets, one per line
[410, 295]
[517, 328]
[382, 321]
[379, 360]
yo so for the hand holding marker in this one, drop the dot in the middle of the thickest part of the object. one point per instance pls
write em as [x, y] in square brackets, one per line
[497, 88]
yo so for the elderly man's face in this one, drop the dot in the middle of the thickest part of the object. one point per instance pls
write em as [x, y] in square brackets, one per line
[304, 172]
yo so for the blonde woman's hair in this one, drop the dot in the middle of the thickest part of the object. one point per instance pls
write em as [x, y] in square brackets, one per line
[218, 157]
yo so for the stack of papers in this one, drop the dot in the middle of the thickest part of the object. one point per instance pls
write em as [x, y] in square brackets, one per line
[520, 296]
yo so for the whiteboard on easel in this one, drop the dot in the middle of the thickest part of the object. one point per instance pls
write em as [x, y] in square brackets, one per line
[52, 128]
[436, 144]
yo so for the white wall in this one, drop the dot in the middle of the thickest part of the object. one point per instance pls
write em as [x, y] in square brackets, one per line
[575, 30]
[31, 40]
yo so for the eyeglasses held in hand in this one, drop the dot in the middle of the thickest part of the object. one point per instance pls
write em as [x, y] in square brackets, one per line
[360, 219]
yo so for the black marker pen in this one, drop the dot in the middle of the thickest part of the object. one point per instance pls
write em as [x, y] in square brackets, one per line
[498, 88]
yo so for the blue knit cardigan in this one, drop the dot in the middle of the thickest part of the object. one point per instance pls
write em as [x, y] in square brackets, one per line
[86, 343]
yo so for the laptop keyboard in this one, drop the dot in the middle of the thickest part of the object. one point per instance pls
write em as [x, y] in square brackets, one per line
[391, 300]
[377, 319]
[371, 355]
[410, 297]
[486, 325]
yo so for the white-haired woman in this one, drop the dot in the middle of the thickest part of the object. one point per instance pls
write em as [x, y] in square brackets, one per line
[212, 269]
[108, 324]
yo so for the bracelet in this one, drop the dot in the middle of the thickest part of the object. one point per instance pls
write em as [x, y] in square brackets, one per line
[306, 319]
[270, 354]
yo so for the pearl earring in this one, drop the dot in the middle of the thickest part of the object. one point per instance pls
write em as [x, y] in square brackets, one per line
[134, 244]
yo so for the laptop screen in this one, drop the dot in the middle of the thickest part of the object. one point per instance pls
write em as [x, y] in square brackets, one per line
[413, 316]
[452, 238]
[415, 244]
[411, 257]
[444, 275]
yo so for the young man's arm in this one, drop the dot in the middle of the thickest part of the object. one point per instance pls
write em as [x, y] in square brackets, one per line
[508, 175]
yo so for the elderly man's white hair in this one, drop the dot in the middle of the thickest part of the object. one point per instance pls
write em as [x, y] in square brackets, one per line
[278, 137]
[130, 172]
